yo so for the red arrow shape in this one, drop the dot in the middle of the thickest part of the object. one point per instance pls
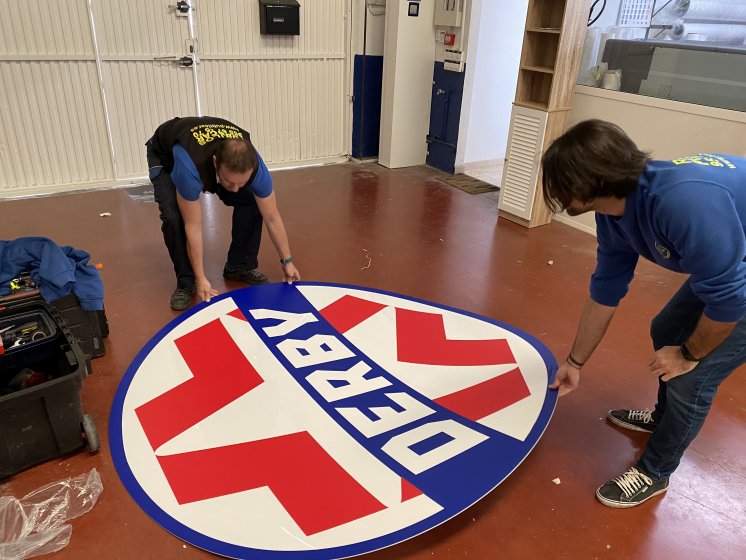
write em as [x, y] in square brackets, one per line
[421, 339]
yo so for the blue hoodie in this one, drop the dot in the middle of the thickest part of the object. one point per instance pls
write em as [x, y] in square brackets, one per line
[688, 215]
[56, 270]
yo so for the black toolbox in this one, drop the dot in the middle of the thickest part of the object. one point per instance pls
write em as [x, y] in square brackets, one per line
[42, 368]
[89, 328]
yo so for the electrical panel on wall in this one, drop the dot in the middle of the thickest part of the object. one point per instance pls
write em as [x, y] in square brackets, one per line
[453, 60]
[449, 12]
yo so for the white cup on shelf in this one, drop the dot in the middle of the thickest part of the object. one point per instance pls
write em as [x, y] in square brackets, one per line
[612, 80]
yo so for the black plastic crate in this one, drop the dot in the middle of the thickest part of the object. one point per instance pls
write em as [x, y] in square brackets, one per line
[90, 328]
[44, 420]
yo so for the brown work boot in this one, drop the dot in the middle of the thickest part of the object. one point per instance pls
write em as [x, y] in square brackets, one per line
[182, 298]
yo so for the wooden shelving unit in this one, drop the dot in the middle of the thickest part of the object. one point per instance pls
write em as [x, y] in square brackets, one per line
[543, 69]
[543, 30]
[552, 45]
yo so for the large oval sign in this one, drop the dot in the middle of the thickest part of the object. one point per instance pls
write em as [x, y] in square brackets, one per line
[321, 421]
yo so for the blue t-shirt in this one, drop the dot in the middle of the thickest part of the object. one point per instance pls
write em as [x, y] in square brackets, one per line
[687, 215]
[187, 181]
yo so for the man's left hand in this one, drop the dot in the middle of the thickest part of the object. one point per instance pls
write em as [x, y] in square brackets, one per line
[668, 362]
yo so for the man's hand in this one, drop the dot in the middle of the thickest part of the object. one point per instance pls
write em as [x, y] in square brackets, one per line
[205, 291]
[669, 362]
[593, 324]
[567, 379]
[291, 273]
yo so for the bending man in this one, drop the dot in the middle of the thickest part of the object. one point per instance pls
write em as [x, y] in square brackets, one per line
[686, 215]
[189, 156]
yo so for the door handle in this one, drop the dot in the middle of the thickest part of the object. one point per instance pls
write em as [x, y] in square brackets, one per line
[181, 6]
[184, 61]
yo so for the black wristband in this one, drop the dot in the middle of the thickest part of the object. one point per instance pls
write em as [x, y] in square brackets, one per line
[573, 362]
[288, 260]
[687, 354]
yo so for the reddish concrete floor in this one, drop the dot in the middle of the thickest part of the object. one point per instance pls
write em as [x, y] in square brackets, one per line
[430, 241]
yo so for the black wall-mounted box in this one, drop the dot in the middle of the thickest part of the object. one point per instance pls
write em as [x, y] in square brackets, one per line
[279, 17]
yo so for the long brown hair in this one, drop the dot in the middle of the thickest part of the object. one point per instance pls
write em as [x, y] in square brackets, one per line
[593, 159]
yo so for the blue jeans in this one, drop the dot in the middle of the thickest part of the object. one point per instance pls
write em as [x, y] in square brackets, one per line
[684, 401]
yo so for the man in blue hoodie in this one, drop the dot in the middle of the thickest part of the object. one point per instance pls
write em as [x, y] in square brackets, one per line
[687, 215]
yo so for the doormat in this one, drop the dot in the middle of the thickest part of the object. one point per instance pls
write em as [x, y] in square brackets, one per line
[468, 184]
[141, 193]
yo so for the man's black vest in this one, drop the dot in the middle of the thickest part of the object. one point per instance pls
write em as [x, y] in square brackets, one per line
[200, 137]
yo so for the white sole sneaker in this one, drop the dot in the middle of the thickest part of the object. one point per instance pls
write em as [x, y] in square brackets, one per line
[626, 425]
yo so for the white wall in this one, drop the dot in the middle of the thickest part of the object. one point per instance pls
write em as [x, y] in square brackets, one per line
[493, 56]
[409, 52]
[609, 15]
[667, 128]
[289, 92]
[373, 36]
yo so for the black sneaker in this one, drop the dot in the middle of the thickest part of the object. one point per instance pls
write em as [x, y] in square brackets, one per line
[249, 275]
[181, 298]
[630, 489]
[638, 420]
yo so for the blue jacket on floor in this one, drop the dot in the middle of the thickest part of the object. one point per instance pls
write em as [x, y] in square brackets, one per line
[56, 270]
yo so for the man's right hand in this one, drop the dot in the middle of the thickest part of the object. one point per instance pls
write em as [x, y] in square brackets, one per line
[205, 291]
[566, 380]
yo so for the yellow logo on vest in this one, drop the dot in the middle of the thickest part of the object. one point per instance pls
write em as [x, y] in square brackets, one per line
[205, 133]
[665, 253]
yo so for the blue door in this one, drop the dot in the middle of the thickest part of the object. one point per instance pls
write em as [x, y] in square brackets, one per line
[445, 112]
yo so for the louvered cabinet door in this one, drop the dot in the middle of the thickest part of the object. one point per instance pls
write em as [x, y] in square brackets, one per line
[521, 171]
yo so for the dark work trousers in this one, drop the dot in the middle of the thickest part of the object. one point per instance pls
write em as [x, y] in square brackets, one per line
[246, 231]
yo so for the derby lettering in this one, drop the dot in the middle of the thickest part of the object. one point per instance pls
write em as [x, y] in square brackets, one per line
[290, 321]
[386, 417]
[375, 421]
[349, 383]
[318, 349]
[461, 438]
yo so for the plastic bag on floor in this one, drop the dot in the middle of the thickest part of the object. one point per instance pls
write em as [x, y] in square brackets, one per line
[35, 524]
